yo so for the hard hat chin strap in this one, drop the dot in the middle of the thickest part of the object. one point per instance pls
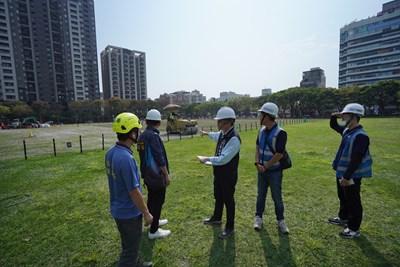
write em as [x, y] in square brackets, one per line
[350, 119]
[134, 140]
[265, 114]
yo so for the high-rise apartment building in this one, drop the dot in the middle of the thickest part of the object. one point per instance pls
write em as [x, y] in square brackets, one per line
[123, 73]
[313, 78]
[48, 51]
[370, 48]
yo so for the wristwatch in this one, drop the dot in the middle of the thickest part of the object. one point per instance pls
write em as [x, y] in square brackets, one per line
[255, 164]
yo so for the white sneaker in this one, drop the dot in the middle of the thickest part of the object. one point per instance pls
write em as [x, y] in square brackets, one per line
[159, 234]
[257, 223]
[347, 233]
[283, 227]
[162, 222]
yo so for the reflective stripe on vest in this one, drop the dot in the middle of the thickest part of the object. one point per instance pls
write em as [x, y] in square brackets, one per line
[364, 169]
[266, 154]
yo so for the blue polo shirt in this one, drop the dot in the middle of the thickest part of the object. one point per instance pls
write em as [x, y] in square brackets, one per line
[123, 177]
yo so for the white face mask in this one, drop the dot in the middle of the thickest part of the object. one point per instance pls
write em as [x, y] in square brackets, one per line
[342, 123]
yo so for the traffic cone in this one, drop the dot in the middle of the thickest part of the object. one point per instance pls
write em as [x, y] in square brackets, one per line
[30, 134]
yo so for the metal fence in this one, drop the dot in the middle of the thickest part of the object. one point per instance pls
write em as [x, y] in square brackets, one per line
[74, 139]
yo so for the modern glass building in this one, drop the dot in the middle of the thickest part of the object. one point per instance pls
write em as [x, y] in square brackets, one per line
[370, 48]
[48, 51]
[123, 73]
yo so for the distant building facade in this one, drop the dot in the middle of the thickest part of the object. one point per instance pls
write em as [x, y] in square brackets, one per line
[314, 78]
[197, 97]
[266, 91]
[183, 97]
[123, 73]
[370, 48]
[226, 96]
[48, 51]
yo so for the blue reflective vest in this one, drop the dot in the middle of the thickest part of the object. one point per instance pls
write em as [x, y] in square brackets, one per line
[365, 167]
[264, 152]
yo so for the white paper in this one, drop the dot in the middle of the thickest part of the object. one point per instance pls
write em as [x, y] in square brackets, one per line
[200, 158]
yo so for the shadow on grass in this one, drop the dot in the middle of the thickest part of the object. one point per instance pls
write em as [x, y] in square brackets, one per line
[374, 256]
[277, 256]
[222, 251]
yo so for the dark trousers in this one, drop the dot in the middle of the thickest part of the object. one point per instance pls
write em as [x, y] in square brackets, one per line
[130, 231]
[350, 204]
[155, 201]
[224, 191]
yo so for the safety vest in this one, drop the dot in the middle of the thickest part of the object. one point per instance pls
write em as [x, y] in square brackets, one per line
[264, 152]
[229, 170]
[365, 167]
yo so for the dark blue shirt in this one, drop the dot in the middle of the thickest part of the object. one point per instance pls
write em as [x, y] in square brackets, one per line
[151, 135]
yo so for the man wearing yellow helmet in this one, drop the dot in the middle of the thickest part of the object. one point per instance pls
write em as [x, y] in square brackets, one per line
[126, 202]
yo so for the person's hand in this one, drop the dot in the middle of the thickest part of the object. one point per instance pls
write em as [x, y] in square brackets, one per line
[336, 114]
[204, 159]
[148, 218]
[260, 168]
[201, 132]
[344, 182]
[167, 180]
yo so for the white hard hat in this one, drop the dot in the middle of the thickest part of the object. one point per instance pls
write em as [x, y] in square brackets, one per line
[270, 108]
[225, 113]
[153, 115]
[353, 108]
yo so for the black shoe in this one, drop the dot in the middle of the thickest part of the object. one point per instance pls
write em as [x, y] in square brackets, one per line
[226, 233]
[337, 221]
[211, 220]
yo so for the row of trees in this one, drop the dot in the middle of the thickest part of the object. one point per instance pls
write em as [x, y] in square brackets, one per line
[382, 98]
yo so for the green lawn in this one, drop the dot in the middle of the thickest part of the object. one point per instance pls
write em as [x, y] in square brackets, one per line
[54, 210]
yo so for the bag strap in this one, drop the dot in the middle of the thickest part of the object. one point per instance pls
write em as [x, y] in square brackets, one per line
[147, 151]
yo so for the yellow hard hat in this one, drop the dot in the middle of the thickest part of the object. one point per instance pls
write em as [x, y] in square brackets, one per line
[125, 122]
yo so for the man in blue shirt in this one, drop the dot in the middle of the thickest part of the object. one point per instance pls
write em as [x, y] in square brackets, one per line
[225, 163]
[126, 202]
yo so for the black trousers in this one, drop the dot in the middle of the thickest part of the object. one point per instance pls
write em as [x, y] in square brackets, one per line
[155, 201]
[224, 191]
[350, 204]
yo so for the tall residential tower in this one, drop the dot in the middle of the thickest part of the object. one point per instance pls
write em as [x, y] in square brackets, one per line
[370, 48]
[48, 51]
[123, 73]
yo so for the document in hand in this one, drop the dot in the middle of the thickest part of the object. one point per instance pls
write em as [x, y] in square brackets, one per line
[200, 158]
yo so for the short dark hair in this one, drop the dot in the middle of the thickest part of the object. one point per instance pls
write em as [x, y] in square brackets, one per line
[152, 123]
[125, 136]
[272, 118]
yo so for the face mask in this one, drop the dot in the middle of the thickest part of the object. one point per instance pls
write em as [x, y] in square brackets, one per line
[342, 123]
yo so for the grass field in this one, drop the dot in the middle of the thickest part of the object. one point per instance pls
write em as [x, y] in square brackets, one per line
[54, 210]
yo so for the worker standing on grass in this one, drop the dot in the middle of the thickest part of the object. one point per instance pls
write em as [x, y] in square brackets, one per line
[126, 202]
[352, 163]
[152, 152]
[225, 163]
[270, 146]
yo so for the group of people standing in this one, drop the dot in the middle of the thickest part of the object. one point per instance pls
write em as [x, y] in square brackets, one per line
[352, 163]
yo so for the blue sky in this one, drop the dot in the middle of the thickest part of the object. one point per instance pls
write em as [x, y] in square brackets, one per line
[229, 45]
